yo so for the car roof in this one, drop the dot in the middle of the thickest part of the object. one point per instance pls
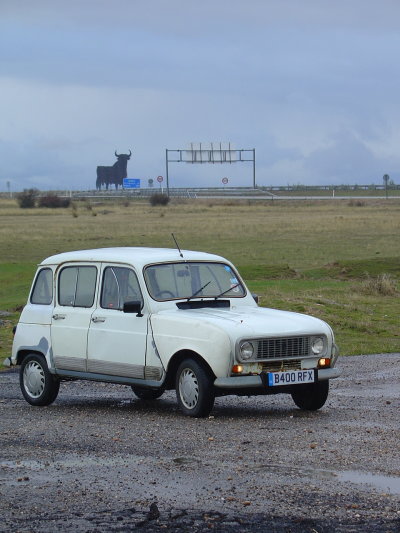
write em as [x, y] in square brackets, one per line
[138, 256]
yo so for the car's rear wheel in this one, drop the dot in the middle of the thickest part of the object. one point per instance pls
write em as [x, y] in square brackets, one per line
[147, 394]
[194, 389]
[38, 385]
[311, 396]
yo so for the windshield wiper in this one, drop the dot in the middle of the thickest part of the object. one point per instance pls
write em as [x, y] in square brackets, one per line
[227, 290]
[197, 292]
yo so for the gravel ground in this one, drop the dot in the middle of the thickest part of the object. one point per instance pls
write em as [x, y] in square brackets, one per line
[100, 460]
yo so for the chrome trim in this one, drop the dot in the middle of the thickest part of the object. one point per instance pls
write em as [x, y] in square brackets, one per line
[70, 363]
[99, 366]
[97, 319]
[153, 372]
[278, 348]
[65, 374]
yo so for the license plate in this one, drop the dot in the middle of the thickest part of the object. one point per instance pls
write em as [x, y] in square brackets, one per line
[294, 377]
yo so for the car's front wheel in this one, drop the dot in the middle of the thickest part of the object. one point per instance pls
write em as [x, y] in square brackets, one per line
[194, 389]
[311, 396]
[38, 385]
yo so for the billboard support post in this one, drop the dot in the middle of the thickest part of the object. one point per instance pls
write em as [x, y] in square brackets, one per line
[166, 170]
[254, 168]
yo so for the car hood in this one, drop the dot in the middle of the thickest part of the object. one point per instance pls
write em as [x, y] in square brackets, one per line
[253, 322]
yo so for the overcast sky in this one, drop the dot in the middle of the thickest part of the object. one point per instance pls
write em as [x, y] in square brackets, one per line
[312, 85]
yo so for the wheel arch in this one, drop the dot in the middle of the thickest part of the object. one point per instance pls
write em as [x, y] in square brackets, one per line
[25, 352]
[176, 360]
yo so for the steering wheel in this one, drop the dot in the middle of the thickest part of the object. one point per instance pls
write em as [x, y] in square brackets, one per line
[168, 293]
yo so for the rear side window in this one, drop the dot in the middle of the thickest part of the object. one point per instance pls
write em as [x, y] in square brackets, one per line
[42, 293]
[77, 285]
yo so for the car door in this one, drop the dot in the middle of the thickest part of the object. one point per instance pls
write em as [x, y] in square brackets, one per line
[117, 340]
[76, 287]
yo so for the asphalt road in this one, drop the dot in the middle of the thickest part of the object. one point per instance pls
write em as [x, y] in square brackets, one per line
[100, 460]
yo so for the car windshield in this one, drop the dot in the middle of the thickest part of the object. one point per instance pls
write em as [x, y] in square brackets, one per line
[187, 280]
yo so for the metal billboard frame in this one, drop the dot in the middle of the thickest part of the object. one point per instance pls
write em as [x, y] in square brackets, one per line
[211, 155]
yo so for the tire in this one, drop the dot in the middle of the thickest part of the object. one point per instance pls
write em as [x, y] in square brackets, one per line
[38, 386]
[194, 389]
[147, 394]
[312, 396]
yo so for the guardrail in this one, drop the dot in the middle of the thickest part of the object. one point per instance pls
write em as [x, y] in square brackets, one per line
[195, 192]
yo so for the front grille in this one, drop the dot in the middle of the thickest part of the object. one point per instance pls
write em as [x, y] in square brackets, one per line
[281, 366]
[281, 348]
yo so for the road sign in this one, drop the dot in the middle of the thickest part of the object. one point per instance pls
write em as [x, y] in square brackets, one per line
[131, 183]
[225, 181]
[160, 179]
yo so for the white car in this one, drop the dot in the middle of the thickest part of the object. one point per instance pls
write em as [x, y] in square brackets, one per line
[159, 319]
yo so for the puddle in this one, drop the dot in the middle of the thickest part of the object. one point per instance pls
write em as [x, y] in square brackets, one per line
[386, 483]
[390, 484]
[73, 462]
[297, 472]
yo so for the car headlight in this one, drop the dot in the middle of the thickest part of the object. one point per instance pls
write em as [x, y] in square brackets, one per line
[246, 351]
[317, 345]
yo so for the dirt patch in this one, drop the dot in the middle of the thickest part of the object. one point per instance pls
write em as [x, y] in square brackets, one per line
[100, 460]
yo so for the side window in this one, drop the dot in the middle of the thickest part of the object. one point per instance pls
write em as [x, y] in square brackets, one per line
[42, 292]
[85, 287]
[120, 285]
[76, 286]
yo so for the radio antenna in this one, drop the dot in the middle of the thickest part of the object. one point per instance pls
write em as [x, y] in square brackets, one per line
[177, 245]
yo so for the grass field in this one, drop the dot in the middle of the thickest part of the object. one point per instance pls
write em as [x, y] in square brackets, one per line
[326, 257]
[346, 193]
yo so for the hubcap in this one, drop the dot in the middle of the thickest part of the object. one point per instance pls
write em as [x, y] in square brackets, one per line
[34, 379]
[188, 388]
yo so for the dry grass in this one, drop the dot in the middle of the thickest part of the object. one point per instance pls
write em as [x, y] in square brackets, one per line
[306, 256]
[384, 285]
[300, 234]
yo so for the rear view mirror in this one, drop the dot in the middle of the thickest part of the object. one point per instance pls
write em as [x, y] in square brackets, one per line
[134, 306]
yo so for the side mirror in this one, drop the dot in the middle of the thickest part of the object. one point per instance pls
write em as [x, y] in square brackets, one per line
[255, 297]
[135, 306]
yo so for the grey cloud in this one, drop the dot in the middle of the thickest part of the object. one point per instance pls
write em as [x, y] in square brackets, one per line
[346, 160]
[289, 78]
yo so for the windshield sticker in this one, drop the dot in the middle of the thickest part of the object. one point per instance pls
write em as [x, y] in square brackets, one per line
[227, 268]
[234, 281]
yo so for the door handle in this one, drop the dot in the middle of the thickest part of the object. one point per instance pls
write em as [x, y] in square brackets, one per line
[97, 319]
[58, 317]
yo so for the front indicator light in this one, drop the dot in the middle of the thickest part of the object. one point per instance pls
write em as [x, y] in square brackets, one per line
[324, 362]
[237, 369]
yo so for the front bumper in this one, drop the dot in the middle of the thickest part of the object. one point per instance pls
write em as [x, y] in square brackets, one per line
[248, 382]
